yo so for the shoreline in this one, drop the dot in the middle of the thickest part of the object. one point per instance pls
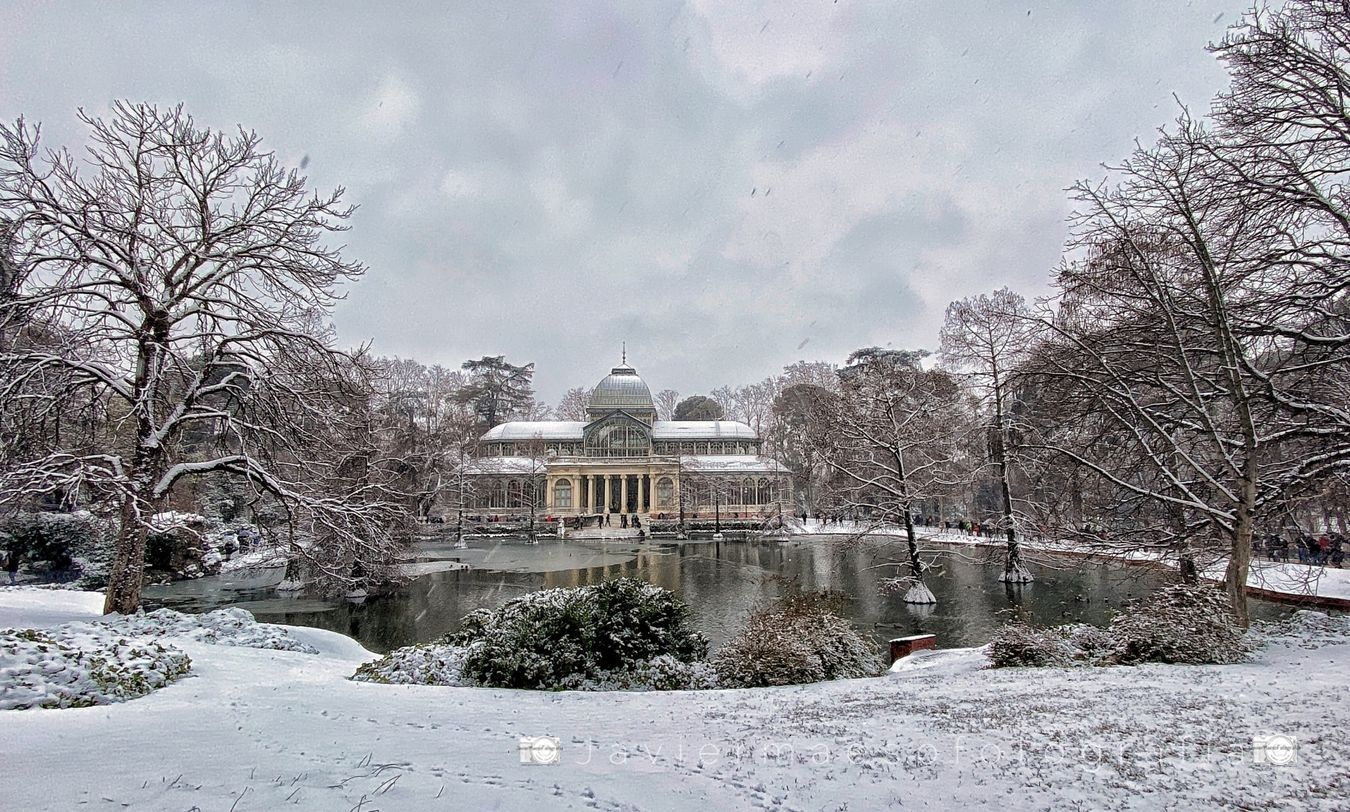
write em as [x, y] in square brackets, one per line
[1268, 576]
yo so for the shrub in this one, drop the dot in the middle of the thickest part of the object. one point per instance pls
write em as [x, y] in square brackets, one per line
[800, 639]
[661, 673]
[62, 546]
[1018, 644]
[1176, 624]
[424, 664]
[563, 637]
[77, 666]
[1179, 624]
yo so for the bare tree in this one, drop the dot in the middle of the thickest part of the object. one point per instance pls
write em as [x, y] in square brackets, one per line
[891, 430]
[423, 425]
[181, 274]
[573, 404]
[1187, 325]
[811, 373]
[666, 400]
[990, 335]
[796, 438]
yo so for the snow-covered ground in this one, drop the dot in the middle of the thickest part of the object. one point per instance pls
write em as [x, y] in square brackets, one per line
[1278, 579]
[256, 729]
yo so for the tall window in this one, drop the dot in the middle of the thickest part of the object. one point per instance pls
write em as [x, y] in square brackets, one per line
[665, 492]
[562, 493]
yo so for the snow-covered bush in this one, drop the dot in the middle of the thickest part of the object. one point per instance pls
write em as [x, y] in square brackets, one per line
[62, 546]
[1179, 624]
[559, 637]
[1304, 628]
[661, 673]
[1018, 644]
[76, 666]
[800, 639]
[223, 627]
[1176, 624]
[424, 664]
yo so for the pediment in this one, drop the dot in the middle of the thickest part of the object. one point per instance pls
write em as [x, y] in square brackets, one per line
[615, 418]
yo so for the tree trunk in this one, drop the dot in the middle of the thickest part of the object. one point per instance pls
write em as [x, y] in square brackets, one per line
[128, 563]
[915, 566]
[1240, 556]
[1013, 571]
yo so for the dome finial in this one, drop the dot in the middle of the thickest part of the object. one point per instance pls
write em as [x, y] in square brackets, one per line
[624, 344]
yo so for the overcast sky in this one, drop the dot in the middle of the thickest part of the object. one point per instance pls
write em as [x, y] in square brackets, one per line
[727, 186]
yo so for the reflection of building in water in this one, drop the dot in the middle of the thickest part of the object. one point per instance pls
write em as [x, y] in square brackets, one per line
[623, 460]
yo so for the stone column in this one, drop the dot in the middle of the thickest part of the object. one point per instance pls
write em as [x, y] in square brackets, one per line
[607, 493]
[642, 493]
[548, 494]
[623, 493]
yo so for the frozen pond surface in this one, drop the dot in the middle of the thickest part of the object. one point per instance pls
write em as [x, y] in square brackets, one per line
[720, 581]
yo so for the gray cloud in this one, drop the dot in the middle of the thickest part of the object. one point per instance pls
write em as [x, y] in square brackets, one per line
[714, 183]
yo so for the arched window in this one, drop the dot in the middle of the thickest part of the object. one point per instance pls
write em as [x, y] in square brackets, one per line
[515, 494]
[498, 494]
[765, 492]
[665, 492]
[747, 491]
[562, 493]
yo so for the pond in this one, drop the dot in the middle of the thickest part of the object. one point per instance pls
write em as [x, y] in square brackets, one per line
[721, 582]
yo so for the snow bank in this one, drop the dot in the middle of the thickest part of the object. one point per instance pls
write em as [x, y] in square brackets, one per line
[1274, 579]
[31, 607]
[262, 729]
[223, 627]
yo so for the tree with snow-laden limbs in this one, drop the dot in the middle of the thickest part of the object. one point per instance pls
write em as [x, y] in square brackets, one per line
[178, 277]
[991, 335]
[1199, 356]
[892, 429]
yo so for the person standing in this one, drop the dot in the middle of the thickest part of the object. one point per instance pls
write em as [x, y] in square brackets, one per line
[12, 565]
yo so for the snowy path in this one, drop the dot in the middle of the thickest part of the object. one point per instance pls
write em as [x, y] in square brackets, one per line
[262, 730]
[1280, 580]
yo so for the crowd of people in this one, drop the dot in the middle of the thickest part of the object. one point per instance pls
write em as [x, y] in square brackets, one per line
[1327, 549]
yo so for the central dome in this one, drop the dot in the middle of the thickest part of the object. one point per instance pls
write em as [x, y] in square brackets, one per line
[622, 389]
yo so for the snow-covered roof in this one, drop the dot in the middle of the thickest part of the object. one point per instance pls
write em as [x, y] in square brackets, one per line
[661, 430]
[732, 464]
[506, 465]
[702, 430]
[536, 429]
[698, 463]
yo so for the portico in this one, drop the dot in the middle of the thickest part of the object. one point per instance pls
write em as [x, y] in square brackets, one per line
[578, 487]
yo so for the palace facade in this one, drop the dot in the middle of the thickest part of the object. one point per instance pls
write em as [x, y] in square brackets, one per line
[624, 460]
